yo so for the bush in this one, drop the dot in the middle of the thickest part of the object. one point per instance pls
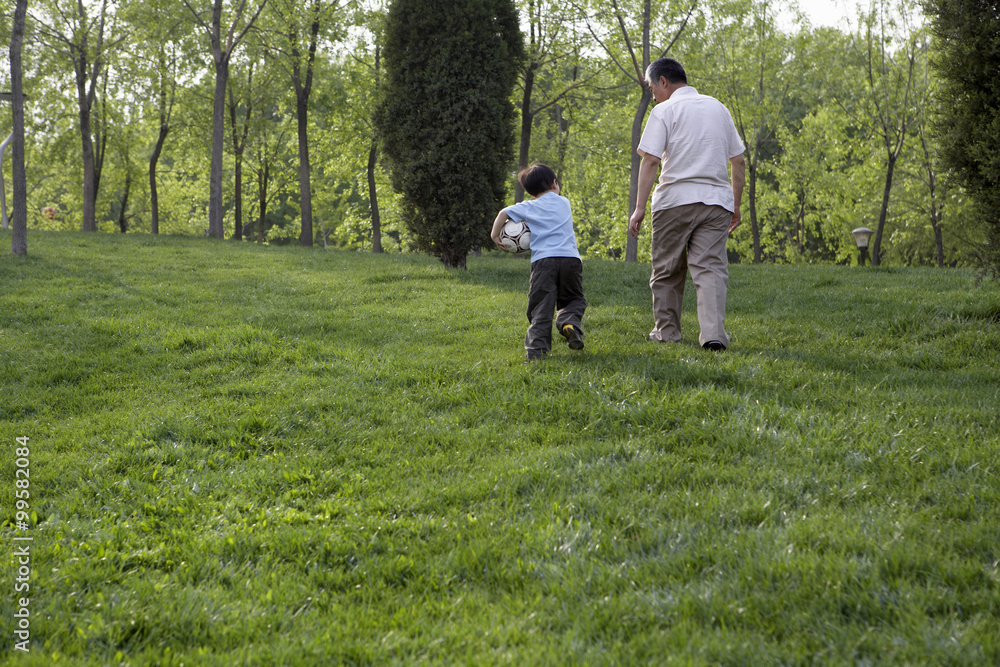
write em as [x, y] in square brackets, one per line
[447, 120]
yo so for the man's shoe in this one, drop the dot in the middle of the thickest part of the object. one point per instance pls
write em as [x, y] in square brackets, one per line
[714, 346]
[536, 355]
[572, 336]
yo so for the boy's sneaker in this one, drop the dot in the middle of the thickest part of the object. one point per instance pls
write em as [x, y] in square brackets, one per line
[715, 346]
[572, 336]
[536, 355]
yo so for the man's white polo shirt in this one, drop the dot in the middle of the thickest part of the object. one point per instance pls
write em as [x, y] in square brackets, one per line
[695, 137]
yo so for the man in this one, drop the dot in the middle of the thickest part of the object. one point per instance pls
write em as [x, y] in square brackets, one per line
[695, 207]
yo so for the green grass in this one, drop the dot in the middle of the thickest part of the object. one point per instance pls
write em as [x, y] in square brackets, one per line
[246, 455]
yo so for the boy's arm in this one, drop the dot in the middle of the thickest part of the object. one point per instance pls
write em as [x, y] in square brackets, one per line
[498, 224]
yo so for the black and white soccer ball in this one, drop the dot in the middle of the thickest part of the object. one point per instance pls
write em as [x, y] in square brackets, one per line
[515, 237]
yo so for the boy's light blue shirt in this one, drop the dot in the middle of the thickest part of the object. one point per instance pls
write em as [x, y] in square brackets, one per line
[550, 219]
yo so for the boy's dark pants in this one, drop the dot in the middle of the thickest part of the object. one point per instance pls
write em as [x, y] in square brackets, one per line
[556, 285]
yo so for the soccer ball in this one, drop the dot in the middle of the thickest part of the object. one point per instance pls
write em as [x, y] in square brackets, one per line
[515, 237]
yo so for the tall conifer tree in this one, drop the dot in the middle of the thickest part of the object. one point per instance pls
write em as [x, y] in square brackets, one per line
[446, 118]
[968, 62]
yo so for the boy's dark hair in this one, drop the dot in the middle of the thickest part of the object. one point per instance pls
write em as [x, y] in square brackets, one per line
[668, 68]
[536, 179]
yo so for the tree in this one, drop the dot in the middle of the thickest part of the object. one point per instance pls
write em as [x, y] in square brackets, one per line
[754, 56]
[446, 117]
[124, 216]
[82, 39]
[246, 96]
[968, 59]
[223, 45]
[827, 184]
[890, 105]
[299, 27]
[376, 215]
[595, 166]
[924, 187]
[19, 242]
[239, 127]
[165, 93]
[546, 50]
[633, 64]
[271, 167]
[350, 147]
[163, 53]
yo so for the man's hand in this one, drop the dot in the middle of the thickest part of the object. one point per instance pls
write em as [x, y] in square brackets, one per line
[736, 221]
[739, 169]
[635, 222]
[648, 168]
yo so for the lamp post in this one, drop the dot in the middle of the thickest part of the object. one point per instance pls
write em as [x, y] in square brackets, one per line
[861, 236]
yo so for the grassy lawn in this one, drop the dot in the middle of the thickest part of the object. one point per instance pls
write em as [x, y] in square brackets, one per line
[247, 455]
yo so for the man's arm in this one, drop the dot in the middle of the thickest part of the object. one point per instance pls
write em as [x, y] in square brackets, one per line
[647, 179]
[739, 180]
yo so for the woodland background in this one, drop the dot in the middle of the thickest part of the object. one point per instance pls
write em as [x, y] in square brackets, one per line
[838, 122]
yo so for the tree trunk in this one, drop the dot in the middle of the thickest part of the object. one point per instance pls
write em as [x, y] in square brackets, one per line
[122, 219]
[527, 120]
[238, 199]
[89, 176]
[758, 255]
[305, 188]
[89, 169]
[936, 211]
[99, 130]
[239, 145]
[19, 242]
[884, 211]
[453, 259]
[262, 181]
[153, 196]
[222, 49]
[303, 88]
[372, 164]
[161, 139]
[562, 142]
[215, 212]
[800, 224]
[632, 247]
[938, 239]
[936, 219]
[373, 198]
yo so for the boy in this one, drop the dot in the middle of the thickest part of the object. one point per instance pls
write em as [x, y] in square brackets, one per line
[556, 268]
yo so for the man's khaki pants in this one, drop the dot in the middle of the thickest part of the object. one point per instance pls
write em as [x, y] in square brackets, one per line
[691, 237]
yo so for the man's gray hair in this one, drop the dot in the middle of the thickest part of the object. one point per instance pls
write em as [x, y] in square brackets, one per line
[668, 68]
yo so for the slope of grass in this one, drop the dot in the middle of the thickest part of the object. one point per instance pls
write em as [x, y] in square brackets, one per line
[245, 455]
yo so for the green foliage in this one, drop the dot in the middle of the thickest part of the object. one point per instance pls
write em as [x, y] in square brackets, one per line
[828, 186]
[446, 121]
[344, 137]
[754, 64]
[967, 60]
[818, 170]
[262, 455]
[596, 177]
